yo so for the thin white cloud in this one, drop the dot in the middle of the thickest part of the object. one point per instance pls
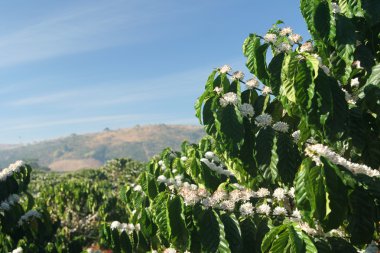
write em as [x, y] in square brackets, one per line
[82, 120]
[83, 29]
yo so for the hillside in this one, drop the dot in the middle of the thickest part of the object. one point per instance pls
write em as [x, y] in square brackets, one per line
[92, 150]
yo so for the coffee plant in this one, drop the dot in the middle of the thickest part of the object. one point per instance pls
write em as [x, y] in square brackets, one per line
[290, 163]
[22, 229]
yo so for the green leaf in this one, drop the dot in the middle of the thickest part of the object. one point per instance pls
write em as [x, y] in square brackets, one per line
[297, 79]
[212, 233]
[125, 243]
[265, 142]
[232, 124]
[336, 196]
[275, 69]
[361, 218]
[271, 236]
[256, 57]
[233, 233]
[178, 233]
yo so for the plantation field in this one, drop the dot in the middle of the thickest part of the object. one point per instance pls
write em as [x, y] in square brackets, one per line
[290, 162]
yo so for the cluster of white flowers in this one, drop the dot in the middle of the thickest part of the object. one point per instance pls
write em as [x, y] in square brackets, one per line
[6, 204]
[278, 210]
[270, 37]
[18, 250]
[281, 127]
[28, 216]
[335, 8]
[306, 47]
[286, 31]
[349, 98]
[213, 162]
[12, 168]
[137, 188]
[263, 209]
[246, 209]
[252, 83]
[264, 120]
[225, 69]
[238, 75]
[183, 158]
[128, 227]
[356, 64]
[279, 193]
[355, 82]
[218, 90]
[247, 110]
[266, 90]
[162, 165]
[295, 38]
[315, 151]
[284, 47]
[175, 182]
[228, 98]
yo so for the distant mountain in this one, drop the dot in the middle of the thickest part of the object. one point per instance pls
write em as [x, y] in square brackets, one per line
[92, 150]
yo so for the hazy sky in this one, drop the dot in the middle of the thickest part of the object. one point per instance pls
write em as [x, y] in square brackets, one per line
[80, 66]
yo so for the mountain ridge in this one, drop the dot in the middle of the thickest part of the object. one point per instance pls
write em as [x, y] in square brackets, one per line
[93, 149]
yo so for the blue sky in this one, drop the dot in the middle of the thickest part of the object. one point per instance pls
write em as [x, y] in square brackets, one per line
[80, 66]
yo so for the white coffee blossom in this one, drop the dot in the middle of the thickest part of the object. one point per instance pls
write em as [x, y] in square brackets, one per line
[279, 193]
[284, 47]
[356, 64]
[209, 155]
[219, 195]
[264, 120]
[227, 205]
[263, 209]
[307, 229]
[348, 97]
[280, 126]
[296, 214]
[161, 179]
[270, 37]
[218, 90]
[247, 110]
[266, 90]
[252, 83]
[262, 192]
[225, 69]
[295, 38]
[137, 227]
[170, 250]
[28, 216]
[5, 206]
[137, 188]
[306, 47]
[18, 250]
[115, 225]
[190, 196]
[316, 150]
[247, 194]
[183, 158]
[278, 210]
[246, 209]
[235, 195]
[228, 98]
[355, 82]
[286, 31]
[291, 192]
[238, 75]
[335, 8]
[296, 135]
